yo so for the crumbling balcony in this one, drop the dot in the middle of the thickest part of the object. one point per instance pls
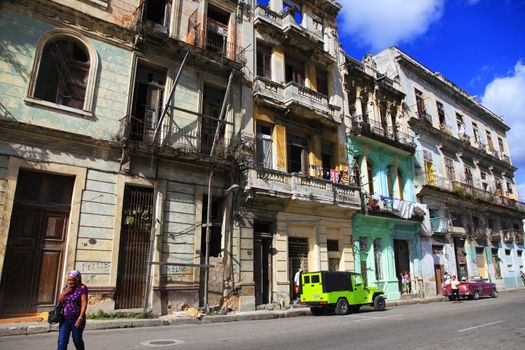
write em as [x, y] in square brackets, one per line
[301, 97]
[194, 139]
[296, 186]
[385, 134]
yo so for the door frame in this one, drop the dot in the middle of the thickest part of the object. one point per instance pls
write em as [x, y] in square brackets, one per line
[80, 174]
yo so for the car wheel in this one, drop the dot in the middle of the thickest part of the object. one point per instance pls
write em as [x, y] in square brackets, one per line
[494, 293]
[342, 307]
[476, 295]
[317, 311]
[379, 303]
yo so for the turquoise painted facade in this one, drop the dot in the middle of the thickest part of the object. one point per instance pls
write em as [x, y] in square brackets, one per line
[374, 234]
[20, 37]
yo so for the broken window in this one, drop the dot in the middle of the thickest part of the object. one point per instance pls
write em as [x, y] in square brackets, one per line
[489, 141]
[460, 124]
[441, 113]
[216, 224]
[322, 82]
[327, 157]
[449, 166]
[158, 11]
[420, 103]
[297, 154]
[212, 101]
[217, 29]
[294, 71]
[63, 73]
[264, 61]
[147, 100]
[264, 146]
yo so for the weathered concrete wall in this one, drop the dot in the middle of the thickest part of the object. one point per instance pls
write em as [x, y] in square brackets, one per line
[96, 230]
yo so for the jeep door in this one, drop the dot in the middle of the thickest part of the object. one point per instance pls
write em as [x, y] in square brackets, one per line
[360, 294]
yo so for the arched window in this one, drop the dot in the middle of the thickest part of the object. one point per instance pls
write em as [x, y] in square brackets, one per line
[64, 72]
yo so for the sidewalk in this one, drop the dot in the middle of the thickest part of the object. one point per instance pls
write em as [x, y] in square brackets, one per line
[9, 329]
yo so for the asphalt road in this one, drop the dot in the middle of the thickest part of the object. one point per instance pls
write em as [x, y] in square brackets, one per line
[482, 324]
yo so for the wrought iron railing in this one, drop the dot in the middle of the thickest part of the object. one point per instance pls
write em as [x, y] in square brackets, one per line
[371, 126]
[216, 43]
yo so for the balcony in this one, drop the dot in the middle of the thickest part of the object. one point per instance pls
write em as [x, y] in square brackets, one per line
[389, 135]
[494, 236]
[447, 129]
[480, 234]
[268, 20]
[518, 237]
[439, 226]
[301, 97]
[508, 236]
[195, 139]
[390, 206]
[467, 191]
[295, 186]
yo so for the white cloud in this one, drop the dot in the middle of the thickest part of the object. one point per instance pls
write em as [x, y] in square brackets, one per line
[505, 96]
[382, 23]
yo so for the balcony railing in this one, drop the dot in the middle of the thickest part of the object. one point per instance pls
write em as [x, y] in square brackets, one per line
[366, 126]
[301, 95]
[195, 138]
[302, 187]
[494, 235]
[508, 236]
[382, 204]
[469, 191]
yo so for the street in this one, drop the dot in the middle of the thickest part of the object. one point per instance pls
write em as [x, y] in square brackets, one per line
[483, 324]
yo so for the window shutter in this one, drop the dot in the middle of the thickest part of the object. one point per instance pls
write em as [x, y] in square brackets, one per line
[153, 106]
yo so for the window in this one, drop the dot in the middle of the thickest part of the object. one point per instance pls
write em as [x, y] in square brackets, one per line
[264, 146]
[294, 71]
[327, 158]
[400, 185]
[390, 180]
[500, 145]
[489, 141]
[460, 124]
[441, 113]
[217, 29]
[147, 101]
[378, 259]
[315, 279]
[430, 177]
[317, 24]
[322, 82]
[264, 61]
[332, 245]
[370, 173]
[64, 72]
[158, 12]
[457, 219]
[484, 181]
[420, 103]
[475, 130]
[498, 185]
[509, 188]
[449, 166]
[297, 154]
[212, 99]
[468, 176]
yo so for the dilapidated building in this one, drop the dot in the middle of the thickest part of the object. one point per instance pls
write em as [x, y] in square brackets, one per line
[464, 175]
[119, 120]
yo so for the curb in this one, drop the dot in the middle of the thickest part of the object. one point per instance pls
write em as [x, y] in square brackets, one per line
[42, 327]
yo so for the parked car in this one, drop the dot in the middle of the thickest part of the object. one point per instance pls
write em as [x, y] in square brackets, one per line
[339, 292]
[474, 288]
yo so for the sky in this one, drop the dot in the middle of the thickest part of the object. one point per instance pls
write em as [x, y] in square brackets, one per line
[477, 44]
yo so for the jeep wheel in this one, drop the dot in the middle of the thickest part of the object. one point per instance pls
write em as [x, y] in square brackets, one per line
[494, 293]
[342, 307]
[317, 311]
[379, 303]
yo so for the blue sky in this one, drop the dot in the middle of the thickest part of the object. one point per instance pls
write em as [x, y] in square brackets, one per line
[477, 44]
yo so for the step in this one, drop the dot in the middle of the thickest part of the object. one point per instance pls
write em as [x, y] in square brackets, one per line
[27, 317]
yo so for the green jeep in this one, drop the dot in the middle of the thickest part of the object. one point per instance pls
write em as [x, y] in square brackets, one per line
[341, 292]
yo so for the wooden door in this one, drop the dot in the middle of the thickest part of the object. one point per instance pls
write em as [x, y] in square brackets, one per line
[438, 272]
[35, 246]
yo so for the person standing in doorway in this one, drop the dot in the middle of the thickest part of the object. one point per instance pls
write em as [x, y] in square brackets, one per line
[454, 286]
[405, 282]
[297, 283]
[74, 295]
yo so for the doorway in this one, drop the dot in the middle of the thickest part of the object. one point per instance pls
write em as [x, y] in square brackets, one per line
[262, 262]
[402, 259]
[481, 263]
[461, 257]
[438, 272]
[35, 247]
[297, 258]
[134, 247]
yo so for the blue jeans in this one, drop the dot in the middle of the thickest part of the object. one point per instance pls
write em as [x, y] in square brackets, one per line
[68, 327]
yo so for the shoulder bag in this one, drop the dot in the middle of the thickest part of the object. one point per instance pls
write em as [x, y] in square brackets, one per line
[57, 314]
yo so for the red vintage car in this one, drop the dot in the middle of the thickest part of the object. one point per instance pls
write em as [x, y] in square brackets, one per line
[473, 289]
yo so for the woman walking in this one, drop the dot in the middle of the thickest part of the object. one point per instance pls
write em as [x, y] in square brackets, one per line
[74, 296]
